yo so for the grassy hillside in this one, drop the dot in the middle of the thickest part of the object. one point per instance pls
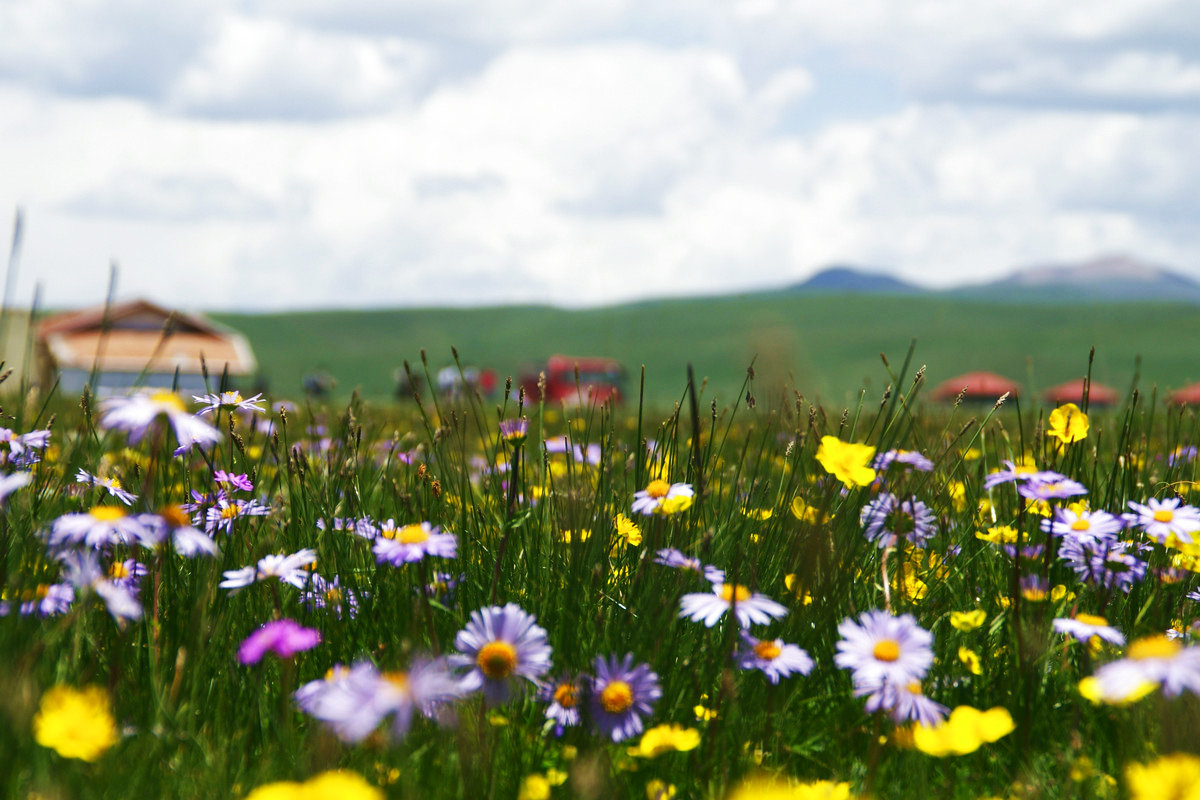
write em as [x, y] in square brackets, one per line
[827, 346]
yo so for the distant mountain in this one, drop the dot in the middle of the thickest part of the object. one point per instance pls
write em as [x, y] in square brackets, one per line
[1111, 278]
[848, 279]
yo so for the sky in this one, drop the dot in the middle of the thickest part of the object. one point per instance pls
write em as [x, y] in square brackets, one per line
[280, 154]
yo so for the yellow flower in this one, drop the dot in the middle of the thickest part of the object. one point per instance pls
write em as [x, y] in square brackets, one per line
[332, 785]
[763, 788]
[665, 739]
[75, 723]
[822, 790]
[758, 513]
[556, 777]
[806, 513]
[846, 461]
[999, 534]
[658, 790]
[964, 732]
[581, 535]
[628, 531]
[339, 785]
[1068, 424]
[1171, 777]
[793, 585]
[967, 620]
[970, 659]
[534, 787]
[279, 790]
[1090, 688]
[958, 494]
[673, 505]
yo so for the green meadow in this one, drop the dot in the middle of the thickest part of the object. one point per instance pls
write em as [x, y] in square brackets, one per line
[694, 597]
[825, 346]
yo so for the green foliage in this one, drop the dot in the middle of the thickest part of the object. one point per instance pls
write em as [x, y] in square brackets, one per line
[826, 346]
[196, 723]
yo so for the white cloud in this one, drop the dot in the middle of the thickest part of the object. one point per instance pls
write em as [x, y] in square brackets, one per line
[257, 67]
[310, 153]
[105, 47]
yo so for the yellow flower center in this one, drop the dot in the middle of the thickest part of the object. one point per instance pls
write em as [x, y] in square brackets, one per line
[1080, 525]
[616, 697]
[887, 650]
[767, 651]
[175, 516]
[117, 570]
[169, 399]
[1153, 647]
[1090, 619]
[413, 534]
[732, 591]
[497, 659]
[914, 687]
[1164, 515]
[398, 678]
[657, 489]
[229, 512]
[107, 513]
[333, 595]
[566, 695]
[387, 532]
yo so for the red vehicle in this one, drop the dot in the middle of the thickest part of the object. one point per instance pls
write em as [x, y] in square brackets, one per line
[600, 380]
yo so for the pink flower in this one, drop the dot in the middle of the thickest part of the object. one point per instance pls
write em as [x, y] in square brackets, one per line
[282, 637]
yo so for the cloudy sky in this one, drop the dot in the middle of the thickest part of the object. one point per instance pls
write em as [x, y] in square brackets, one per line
[268, 154]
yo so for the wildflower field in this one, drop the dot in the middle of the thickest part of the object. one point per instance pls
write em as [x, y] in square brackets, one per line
[229, 597]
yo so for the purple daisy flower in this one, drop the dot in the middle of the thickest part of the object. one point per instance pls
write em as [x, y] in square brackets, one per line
[904, 703]
[909, 458]
[670, 557]
[1152, 660]
[773, 657]
[659, 495]
[883, 649]
[238, 481]
[229, 401]
[1084, 626]
[293, 569]
[137, 414]
[222, 515]
[1050, 486]
[103, 526]
[322, 593]
[283, 637]
[887, 519]
[498, 646]
[355, 701]
[1162, 519]
[1181, 454]
[411, 543]
[750, 608]
[621, 695]
[564, 696]
[1105, 563]
[514, 430]
[1091, 525]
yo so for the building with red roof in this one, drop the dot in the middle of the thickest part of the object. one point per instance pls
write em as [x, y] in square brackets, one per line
[138, 343]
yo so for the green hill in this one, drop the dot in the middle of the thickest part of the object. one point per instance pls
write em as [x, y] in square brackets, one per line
[827, 346]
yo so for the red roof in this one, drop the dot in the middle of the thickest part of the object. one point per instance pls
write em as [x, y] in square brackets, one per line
[978, 386]
[1186, 395]
[1072, 392]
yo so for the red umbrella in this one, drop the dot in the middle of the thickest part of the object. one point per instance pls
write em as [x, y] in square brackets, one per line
[1072, 392]
[978, 385]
